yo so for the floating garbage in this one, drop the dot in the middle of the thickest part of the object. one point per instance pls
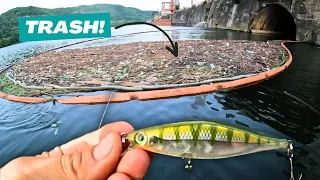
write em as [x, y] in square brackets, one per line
[250, 52]
[54, 125]
[212, 66]
[96, 67]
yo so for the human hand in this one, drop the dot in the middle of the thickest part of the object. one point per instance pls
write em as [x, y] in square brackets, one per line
[93, 156]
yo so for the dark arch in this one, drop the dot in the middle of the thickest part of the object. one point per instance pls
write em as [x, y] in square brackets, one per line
[275, 18]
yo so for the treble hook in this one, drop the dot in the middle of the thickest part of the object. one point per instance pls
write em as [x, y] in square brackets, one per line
[290, 155]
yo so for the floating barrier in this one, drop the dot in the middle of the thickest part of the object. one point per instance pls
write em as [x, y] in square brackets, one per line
[118, 97]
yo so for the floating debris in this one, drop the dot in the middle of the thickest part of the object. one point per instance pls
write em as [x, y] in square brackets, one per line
[250, 52]
[198, 60]
[212, 66]
[54, 125]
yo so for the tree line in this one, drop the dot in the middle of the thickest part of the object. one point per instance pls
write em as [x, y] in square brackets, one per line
[119, 14]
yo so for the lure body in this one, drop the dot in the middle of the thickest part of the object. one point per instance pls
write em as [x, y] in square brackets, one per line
[202, 140]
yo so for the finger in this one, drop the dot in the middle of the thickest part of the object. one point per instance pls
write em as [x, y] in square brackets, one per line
[134, 163]
[56, 152]
[94, 137]
[81, 144]
[53, 153]
[118, 127]
[99, 162]
[44, 154]
[84, 163]
[80, 147]
[119, 176]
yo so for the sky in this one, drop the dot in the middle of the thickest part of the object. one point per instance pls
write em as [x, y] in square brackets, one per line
[140, 4]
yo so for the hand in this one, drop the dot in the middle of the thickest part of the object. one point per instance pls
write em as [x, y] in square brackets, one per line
[93, 156]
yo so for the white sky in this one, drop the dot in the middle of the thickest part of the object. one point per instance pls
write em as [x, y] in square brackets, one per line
[140, 4]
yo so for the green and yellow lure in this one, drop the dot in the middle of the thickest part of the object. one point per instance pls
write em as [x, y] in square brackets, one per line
[202, 140]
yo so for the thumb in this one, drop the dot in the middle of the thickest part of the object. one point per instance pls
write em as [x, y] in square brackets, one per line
[98, 162]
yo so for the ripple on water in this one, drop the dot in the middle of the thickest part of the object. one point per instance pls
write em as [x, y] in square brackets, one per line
[27, 117]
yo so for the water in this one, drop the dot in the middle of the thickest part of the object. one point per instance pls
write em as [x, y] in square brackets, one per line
[286, 106]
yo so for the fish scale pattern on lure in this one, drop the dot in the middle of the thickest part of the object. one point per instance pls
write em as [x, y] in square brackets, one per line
[203, 140]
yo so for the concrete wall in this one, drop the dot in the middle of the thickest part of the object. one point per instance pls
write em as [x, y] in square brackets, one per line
[188, 17]
[226, 14]
[307, 17]
[230, 14]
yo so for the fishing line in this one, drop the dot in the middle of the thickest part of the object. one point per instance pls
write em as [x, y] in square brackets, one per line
[105, 110]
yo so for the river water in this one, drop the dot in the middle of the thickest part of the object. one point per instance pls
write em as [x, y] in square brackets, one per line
[286, 106]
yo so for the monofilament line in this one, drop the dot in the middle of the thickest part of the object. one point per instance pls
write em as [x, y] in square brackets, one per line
[105, 110]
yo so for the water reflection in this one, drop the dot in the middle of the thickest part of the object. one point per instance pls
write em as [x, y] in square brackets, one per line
[235, 35]
[276, 109]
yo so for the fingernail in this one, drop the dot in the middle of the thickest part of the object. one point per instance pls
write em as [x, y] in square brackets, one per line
[103, 149]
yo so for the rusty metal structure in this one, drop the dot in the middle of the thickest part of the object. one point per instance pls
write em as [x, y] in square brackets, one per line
[167, 9]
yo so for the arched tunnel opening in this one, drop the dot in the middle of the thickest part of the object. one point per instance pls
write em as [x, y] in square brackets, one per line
[276, 19]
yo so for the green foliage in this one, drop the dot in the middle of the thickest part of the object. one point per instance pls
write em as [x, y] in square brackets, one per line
[284, 59]
[9, 87]
[119, 14]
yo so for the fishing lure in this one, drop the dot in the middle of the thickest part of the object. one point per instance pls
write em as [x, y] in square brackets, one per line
[202, 140]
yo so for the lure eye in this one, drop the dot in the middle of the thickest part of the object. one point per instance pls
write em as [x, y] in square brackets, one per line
[141, 139]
